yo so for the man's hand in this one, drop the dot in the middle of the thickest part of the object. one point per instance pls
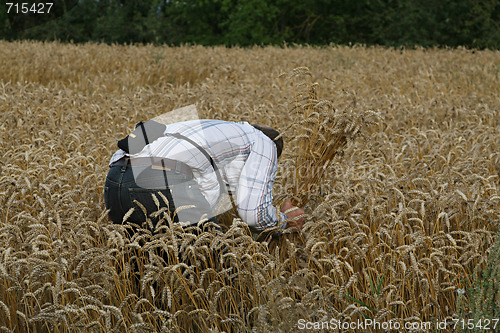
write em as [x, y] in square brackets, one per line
[287, 205]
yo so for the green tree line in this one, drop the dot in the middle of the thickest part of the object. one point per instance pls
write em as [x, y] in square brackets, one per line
[470, 23]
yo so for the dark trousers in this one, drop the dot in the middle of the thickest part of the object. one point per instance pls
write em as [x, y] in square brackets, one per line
[125, 184]
[123, 190]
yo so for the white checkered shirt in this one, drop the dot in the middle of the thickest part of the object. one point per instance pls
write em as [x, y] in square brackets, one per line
[246, 158]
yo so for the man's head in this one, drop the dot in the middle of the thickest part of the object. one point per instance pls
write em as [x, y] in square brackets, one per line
[272, 134]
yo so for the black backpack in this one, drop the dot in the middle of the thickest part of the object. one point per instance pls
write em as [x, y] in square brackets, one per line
[147, 132]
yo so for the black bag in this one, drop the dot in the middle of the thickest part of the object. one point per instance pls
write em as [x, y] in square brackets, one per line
[147, 132]
[144, 134]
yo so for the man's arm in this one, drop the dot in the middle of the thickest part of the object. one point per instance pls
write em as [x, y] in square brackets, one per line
[255, 186]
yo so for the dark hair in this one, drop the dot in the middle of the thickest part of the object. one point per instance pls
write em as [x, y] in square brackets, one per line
[272, 134]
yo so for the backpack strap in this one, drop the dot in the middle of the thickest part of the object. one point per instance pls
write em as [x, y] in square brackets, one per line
[210, 159]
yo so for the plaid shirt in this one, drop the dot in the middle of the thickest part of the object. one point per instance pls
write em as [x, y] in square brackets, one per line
[246, 158]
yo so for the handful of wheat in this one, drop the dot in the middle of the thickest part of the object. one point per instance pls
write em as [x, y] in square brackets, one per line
[320, 133]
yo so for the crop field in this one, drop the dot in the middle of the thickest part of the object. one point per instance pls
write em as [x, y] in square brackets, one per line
[401, 216]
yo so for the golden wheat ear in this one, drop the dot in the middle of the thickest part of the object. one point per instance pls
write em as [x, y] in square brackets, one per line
[321, 133]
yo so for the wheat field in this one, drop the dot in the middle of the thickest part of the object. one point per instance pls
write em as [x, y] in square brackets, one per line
[403, 215]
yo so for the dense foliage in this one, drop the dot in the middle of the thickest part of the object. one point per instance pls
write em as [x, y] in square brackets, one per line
[471, 23]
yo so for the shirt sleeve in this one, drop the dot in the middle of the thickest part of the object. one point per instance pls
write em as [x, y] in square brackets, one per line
[209, 186]
[255, 186]
[116, 156]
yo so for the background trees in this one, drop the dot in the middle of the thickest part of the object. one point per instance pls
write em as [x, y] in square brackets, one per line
[471, 23]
